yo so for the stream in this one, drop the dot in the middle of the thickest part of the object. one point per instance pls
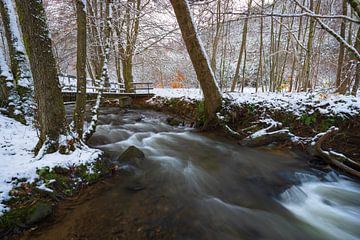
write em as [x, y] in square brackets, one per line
[204, 186]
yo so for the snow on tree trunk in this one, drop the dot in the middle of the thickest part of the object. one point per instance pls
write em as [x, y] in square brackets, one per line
[199, 59]
[50, 107]
[104, 76]
[8, 92]
[18, 59]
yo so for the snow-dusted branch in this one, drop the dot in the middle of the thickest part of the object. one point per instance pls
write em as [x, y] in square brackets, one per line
[292, 15]
[330, 31]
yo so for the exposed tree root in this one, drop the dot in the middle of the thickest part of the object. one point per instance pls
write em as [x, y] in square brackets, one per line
[267, 138]
[272, 133]
[336, 159]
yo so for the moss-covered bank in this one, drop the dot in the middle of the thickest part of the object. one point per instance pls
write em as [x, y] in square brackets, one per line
[32, 203]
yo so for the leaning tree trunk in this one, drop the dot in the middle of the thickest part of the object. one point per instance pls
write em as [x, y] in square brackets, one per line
[199, 59]
[50, 106]
[79, 111]
[18, 60]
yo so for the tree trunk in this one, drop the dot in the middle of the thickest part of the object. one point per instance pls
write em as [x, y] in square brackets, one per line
[272, 51]
[277, 65]
[259, 74]
[357, 73]
[105, 71]
[243, 45]
[307, 63]
[127, 73]
[295, 61]
[8, 96]
[219, 26]
[79, 110]
[18, 60]
[199, 59]
[50, 105]
[341, 48]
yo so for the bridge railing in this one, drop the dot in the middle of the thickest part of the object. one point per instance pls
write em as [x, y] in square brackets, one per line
[142, 87]
[68, 84]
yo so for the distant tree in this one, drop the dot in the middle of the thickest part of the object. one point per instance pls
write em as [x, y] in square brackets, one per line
[242, 50]
[341, 51]
[50, 107]
[357, 70]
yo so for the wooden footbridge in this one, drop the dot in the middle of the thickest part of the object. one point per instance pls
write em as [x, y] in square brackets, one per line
[113, 91]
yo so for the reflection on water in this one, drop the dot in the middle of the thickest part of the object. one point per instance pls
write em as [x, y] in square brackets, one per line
[206, 187]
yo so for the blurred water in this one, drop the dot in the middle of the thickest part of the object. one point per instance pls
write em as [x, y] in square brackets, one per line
[225, 191]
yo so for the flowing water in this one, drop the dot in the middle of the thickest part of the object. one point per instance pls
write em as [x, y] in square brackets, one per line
[203, 186]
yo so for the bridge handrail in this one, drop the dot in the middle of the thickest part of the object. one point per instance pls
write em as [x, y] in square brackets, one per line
[93, 86]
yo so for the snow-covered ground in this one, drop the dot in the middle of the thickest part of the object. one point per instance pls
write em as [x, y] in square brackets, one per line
[17, 159]
[297, 103]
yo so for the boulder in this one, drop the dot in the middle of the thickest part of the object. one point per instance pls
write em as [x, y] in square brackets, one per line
[133, 156]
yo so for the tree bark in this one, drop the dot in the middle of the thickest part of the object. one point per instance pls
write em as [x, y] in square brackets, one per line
[18, 60]
[243, 45]
[8, 95]
[357, 70]
[199, 59]
[50, 105]
[307, 63]
[79, 110]
[259, 74]
[342, 47]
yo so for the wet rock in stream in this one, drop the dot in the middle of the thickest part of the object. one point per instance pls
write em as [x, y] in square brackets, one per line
[133, 156]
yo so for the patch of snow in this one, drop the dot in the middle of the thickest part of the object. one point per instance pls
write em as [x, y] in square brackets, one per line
[17, 159]
[296, 103]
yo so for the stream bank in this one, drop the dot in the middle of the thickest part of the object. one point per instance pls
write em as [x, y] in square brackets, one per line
[186, 184]
[260, 125]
